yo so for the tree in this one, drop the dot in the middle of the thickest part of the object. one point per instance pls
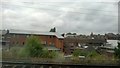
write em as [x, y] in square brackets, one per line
[117, 51]
[74, 34]
[69, 33]
[33, 47]
[53, 30]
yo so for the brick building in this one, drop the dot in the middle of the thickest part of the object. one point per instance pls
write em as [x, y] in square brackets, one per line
[16, 37]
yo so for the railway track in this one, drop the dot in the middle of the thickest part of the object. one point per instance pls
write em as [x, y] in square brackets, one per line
[51, 65]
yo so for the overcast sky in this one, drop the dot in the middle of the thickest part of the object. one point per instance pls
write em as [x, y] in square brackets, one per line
[66, 15]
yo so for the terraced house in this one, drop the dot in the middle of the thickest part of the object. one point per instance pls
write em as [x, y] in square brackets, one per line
[51, 40]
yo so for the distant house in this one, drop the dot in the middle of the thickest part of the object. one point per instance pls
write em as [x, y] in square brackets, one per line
[16, 37]
[72, 43]
[109, 47]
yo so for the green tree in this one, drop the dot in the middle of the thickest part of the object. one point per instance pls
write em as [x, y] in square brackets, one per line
[33, 47]
[117, 51]
[69, 33]
[74, 34]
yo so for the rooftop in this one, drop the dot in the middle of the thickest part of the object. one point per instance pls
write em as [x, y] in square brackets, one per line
[33, 32]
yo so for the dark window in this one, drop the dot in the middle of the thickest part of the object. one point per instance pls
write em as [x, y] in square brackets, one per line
[64, 46]
[23, 43]
[63, 50]
[3, 43]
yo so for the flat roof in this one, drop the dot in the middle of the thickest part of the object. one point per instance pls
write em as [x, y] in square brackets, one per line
[51, 48]
[35, 33]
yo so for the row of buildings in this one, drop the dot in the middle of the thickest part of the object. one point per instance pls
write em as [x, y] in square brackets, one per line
[52, 40]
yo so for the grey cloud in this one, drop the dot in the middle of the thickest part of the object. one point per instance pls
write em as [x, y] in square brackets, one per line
[67, 17]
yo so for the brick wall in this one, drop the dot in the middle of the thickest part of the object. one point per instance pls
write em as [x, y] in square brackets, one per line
[20, 39]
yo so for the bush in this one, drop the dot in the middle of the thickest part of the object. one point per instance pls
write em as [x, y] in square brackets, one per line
[23, 53]
[92, 54]
[78, 52]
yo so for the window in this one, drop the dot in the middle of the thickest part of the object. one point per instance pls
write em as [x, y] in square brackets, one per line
[50, 36]
[3, 43]
[71, 52]
[23, 43]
